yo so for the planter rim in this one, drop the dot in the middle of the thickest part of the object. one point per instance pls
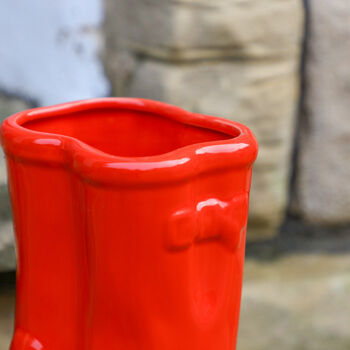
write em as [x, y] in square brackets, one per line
[97, 166]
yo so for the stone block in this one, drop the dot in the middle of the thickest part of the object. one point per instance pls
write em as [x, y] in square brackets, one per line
[192, 29]
[8, 106]
[322, 184]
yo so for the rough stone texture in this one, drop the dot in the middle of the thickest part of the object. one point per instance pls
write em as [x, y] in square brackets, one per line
[196, 29]
[7, 308]
[235, 59]
[298, 302]
[8, 106]
[323, 191]
[7, 251]
[3, 171]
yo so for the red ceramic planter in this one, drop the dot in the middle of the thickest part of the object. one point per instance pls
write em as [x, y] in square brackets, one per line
[130, 220]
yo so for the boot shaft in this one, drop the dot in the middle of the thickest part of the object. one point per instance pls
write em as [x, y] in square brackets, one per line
[126, 244]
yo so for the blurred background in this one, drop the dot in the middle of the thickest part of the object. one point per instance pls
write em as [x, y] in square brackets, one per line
[279, 66]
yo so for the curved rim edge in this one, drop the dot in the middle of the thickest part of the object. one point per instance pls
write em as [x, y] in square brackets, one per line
[97, 166]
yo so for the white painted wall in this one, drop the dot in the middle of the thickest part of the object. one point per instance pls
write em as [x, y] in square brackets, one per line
[49, 49]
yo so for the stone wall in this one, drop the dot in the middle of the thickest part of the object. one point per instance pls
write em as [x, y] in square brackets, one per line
[323, 173]
[8, 106]
[235, 59]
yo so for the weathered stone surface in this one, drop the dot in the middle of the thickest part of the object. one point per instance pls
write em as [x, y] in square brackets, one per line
[3, 170]
[323, 190]
[5, 211]
[296, 302]
[260, 95]
[8, 106]
[192, 29]
[7, 251]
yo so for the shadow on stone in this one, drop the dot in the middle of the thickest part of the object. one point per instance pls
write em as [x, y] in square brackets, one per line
[296, 237]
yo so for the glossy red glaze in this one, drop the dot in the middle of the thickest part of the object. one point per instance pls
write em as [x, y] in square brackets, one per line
[130, 221]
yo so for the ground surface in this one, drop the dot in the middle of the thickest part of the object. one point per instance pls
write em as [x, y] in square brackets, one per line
[295, 301]
[299, 301]
[7, 299]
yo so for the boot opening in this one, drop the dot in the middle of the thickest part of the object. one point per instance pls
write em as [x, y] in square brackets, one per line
[126, 133]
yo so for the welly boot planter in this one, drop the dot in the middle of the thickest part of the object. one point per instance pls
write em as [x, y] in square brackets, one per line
[130, 219]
